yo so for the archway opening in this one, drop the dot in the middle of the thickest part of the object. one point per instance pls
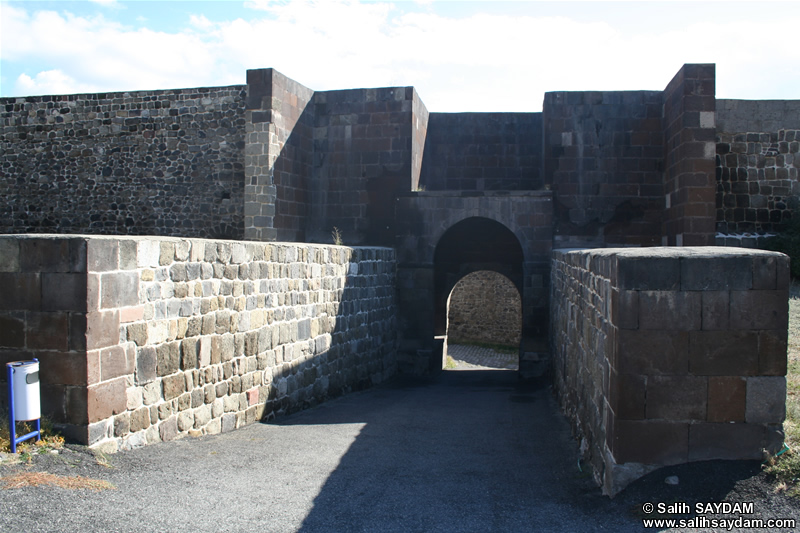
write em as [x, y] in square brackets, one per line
[484, 322]
[472, 245]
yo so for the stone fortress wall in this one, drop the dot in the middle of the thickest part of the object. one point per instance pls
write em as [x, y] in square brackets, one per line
[758, 168]
[139, 163]
[143, 339]
[669, 355]
[484, 307]
[451, 193]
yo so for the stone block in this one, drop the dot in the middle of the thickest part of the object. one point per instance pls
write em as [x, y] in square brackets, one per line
[715, 272]
[102, 329]
[228, 422]
[46, 255]
[765, 272]
[102, 255]
[670, 310]
[9, 255]
[726, 398]
[772, 352]
[128, 250]
[725, 441]
[106, 399]
[137, 333]
[114, 363]
[168, 358]
[653, 273]
[189, 354]
[77, 331]
[12, 330]
[146, 365]
[173, 386]
[677, 397]
[140, 419]
[759, 309]
[63, 291]
[625, 309]
[22, 291]
[122, 425]
[119, 289]
[715, 310]
[64, 368]
[627, 396]
[766, 400]
[652, 352]
[75, 405]
[168, 429]
[650, 442]
[723, 353]
[48, 331]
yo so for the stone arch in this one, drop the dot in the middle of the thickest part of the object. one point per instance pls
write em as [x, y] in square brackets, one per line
[486, 307]
[471, 245]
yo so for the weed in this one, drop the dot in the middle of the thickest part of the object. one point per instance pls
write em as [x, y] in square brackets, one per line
[50, 439]
[450, 363]
[420, 188]
[337, 236]
[786, 468]
[35, 479]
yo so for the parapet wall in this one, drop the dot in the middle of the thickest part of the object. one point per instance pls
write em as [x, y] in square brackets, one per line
[669, 355]
[138, 163]
[758, 168]
[143, 339]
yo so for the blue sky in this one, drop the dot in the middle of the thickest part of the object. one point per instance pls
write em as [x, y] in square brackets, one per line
[461, 56]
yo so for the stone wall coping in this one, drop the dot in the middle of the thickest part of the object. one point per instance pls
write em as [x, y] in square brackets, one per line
[478, 194]
[671, 251]
[73, 236]
[115, 94]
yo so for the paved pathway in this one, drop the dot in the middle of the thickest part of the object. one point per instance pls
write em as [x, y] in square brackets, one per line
[469, 357]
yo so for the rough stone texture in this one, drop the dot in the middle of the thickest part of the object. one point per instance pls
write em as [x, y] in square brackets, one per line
[444, 236]
[483, 152]
[689, 185]
[646, 378]
[604, 161]
[758, 173]
[485, 307]
[145, 162]
[289, 326]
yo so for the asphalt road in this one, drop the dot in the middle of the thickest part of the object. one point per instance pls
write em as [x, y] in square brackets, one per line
[469, 451]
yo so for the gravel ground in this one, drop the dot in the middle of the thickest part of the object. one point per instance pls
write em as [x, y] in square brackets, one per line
[466, 451]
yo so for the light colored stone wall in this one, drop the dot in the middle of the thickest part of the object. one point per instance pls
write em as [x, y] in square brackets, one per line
[191, 337]
[484, 307]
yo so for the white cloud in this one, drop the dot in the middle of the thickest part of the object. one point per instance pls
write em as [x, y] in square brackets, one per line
[479, 62]
[49, 82]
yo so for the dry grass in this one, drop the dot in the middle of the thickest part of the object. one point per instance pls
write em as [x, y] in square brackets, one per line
[50, 438]
[35, 479]
[786, 468]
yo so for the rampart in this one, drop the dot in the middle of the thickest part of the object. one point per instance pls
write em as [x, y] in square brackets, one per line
[758, 168]
[140, 163]
[669, 355]
[142, 339]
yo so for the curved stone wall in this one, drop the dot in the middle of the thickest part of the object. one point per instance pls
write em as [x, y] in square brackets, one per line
[484, 307]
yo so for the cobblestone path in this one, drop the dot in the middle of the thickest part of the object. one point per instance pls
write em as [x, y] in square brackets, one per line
[476, 357]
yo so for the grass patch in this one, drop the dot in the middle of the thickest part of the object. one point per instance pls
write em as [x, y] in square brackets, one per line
[50, 438]
[450, 363]
[786, 468]
[502, 348]
[35, 479]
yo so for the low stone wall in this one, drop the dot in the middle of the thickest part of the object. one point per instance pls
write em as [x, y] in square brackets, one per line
[484, 307]
[143, 339]
[669, 355]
